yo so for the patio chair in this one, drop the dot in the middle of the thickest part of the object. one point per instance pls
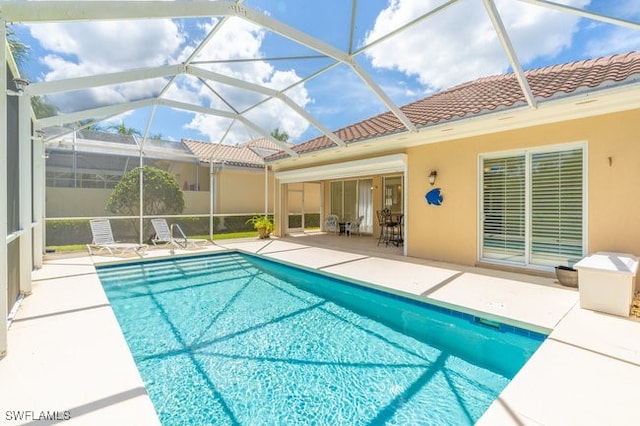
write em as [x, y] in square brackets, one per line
[331, 224]
[382, 222]
[164, 235]
[389, 227]
[354, 227]
[103, 240]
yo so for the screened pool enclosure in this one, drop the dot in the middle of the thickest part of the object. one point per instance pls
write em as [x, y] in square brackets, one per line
[56, 172]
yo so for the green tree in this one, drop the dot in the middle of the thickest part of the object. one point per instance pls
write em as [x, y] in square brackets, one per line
[162, 194]
[280, 135]
[121, 129]
[42, 108]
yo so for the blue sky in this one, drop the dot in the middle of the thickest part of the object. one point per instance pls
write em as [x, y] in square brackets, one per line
[454, 46]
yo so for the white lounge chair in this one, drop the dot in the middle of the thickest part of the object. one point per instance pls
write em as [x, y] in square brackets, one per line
[103, 240]
[164, 235]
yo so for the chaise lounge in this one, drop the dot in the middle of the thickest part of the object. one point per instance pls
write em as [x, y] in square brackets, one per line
[164, 235]
[103, 240]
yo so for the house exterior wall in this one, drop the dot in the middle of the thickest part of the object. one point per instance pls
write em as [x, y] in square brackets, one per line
[450, 232]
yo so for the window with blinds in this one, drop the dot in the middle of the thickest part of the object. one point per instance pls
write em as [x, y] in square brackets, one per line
[532, 208]
[556, 207]
[503, 208]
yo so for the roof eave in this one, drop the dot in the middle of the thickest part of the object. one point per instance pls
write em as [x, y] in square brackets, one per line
[563, 107]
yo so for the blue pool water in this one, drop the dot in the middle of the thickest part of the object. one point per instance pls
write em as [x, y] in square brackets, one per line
[240, 340]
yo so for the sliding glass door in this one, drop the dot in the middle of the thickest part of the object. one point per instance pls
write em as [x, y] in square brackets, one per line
[532, 208]
[351, 199]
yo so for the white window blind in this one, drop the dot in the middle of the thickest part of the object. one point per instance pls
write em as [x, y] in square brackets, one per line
[503, 224]
[532, 208]
[556, 207]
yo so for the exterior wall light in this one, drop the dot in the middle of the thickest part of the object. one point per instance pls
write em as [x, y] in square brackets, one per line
[432, 177]
[21, 84]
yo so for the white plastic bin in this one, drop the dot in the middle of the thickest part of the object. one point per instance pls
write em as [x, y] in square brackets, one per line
[606, 282]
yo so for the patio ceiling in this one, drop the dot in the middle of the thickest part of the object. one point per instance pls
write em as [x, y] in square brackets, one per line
[196, 66]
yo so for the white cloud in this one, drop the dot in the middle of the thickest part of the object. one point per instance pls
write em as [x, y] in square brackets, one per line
[81, 49]
[93, 48]
[615, 41]
[107, 46]
[240, 40]
[460, 43]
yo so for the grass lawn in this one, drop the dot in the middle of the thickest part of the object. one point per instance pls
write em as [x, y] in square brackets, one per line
[231, 235]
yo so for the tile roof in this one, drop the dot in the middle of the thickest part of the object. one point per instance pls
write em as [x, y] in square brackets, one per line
[486, 95]
[236, 155]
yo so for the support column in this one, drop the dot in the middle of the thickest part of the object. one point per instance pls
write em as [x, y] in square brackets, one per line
[38, 202]
[24, 170]
[4, 220]
[141, 189]
[212, 197]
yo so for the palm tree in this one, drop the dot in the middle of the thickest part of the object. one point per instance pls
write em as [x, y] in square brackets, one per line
[18, 49]
[88, 124]
[121, 129]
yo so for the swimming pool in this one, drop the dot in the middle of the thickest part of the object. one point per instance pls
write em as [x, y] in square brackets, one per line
[237, 339]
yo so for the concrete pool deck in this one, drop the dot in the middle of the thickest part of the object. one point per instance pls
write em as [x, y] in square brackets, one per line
[67, 353]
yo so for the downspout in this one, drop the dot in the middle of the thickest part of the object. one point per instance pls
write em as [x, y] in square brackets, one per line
[266, 190]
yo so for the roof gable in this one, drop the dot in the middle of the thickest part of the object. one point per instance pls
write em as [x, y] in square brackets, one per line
[237, 155]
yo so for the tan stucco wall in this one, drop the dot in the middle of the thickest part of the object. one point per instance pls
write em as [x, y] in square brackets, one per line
[89, 202]
[240, 191]
[450, 232]
[71, 202]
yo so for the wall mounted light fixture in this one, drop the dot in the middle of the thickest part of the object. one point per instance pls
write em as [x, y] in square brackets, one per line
[21, 84]
[432, 177]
